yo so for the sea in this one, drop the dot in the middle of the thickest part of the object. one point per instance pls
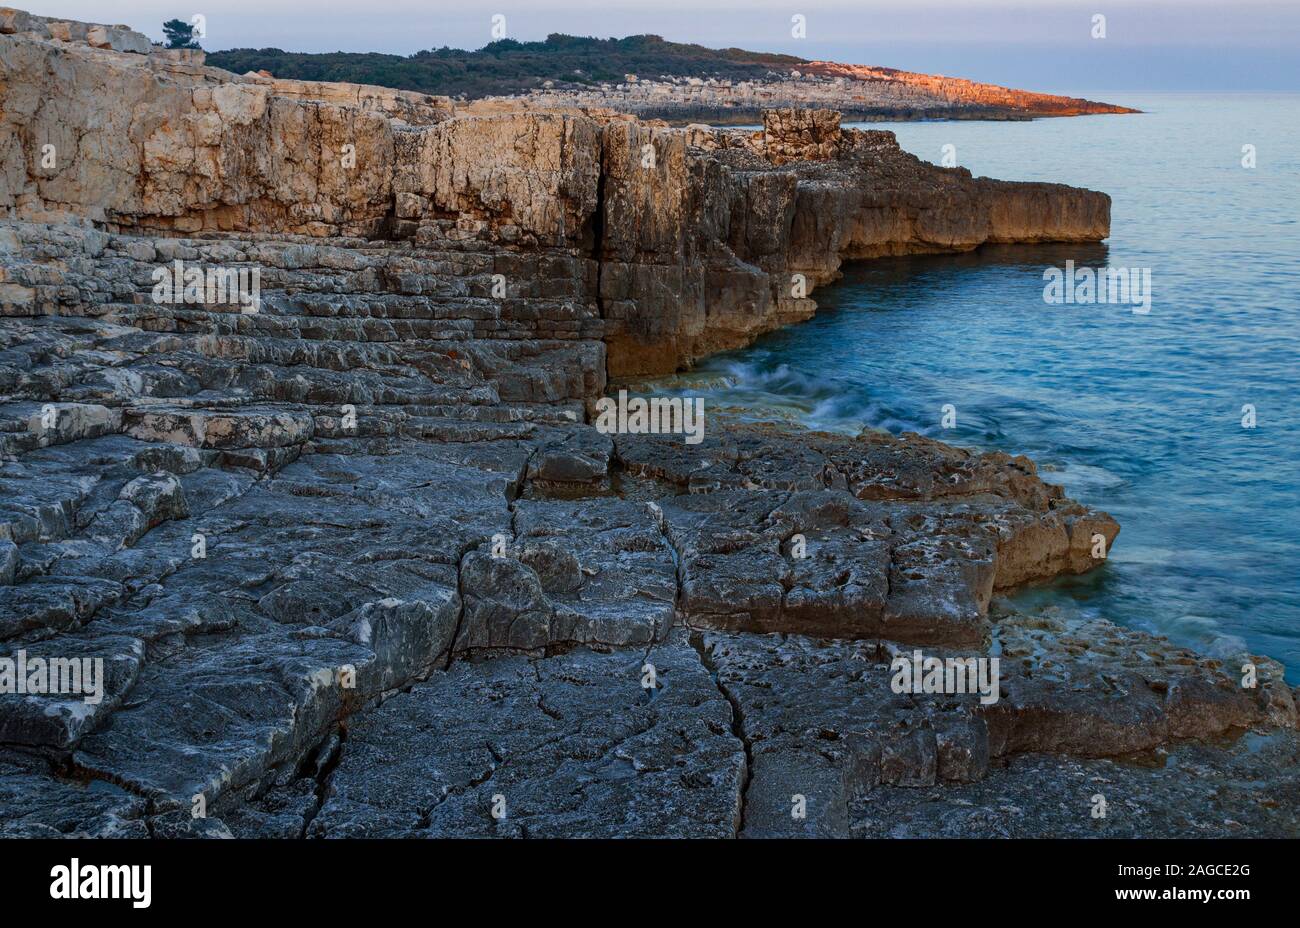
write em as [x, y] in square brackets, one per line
[1182, 421]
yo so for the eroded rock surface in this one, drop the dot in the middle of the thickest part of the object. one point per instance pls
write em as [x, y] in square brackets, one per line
[573, 745]
[352, 554]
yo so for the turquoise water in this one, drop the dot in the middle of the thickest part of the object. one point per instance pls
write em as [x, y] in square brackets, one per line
[1140, 415]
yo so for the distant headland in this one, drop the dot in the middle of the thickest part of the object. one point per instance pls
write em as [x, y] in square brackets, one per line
[656, 79]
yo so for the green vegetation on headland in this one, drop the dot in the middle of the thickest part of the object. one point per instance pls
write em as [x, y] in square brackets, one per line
[507, 66]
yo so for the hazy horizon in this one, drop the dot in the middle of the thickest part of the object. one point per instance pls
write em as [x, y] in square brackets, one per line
[1149, 46]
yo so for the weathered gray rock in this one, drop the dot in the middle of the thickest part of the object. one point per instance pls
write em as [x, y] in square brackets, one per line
[34, 804]
[566, 746]
[60, 720]
[1246, 790]
[592, 572]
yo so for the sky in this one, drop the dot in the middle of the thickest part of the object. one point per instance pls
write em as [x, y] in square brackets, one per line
[1048, 45]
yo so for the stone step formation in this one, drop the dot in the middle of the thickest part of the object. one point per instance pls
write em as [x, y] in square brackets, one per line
[357, 562]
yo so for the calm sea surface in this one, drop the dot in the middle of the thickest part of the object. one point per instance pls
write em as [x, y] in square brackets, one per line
[1140, 415]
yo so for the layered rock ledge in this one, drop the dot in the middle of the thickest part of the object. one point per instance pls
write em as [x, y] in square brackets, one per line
[357, 562]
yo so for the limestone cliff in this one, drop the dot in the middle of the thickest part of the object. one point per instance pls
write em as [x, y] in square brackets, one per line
[680, 241]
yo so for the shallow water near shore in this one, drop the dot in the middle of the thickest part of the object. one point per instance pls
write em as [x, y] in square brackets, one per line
[1140, 415]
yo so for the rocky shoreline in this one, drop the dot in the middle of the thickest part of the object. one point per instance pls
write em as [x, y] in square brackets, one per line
[859, 92]
[357, 563]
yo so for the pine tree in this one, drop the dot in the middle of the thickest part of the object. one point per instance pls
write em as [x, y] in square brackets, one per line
[180, 34]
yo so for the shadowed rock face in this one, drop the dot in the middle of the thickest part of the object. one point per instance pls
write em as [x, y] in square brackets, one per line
[356, 562]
